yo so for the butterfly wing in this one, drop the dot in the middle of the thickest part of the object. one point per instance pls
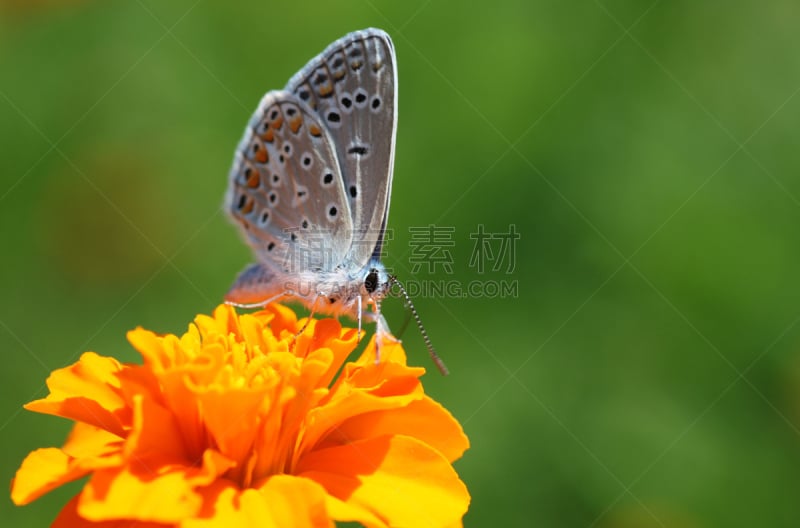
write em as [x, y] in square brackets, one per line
[256, 284]
[352, 86]
[285, 189]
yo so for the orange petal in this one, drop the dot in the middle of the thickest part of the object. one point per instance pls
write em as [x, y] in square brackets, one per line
[152, 489]
[396, 479]
[87, 391]
[154, 431]
[391, 351]
[44, 470]
[231, 418]
[282, 501]
[89, 441]
[390, 376]
[69, 518]
[87, 449]
[151, 347]
[425, 420]
[296, 502]
[145, 491]
[347, 399]
[280, 318]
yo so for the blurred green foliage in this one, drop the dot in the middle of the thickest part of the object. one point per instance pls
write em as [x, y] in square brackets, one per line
[648, 372]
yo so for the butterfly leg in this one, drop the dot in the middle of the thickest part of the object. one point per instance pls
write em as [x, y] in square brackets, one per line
[382, 330]
[259, 304]
[359, 319]
[308, 319]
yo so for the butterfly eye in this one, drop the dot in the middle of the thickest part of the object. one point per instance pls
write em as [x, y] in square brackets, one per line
[371, 281]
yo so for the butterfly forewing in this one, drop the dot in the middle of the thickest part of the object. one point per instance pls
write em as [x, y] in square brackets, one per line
[286, 189]
[352, 86]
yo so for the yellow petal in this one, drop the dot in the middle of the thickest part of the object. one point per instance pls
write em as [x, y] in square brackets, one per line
[87, 449]
[89, 441]
[425, 420]
[397, 479]
[296, 501]
[87, 391]
[283, 501]
[363, 387]
[231, 418]
[43, 470]
[69, 518]
[151, 489]
[154, 431]
[146, 490]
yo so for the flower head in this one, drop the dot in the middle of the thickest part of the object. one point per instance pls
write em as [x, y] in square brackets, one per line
[242, 422]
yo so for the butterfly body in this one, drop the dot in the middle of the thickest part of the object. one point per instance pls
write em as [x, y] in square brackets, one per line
[311, 181]
[338, 292]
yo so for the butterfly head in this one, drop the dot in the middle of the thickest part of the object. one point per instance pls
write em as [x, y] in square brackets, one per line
[376, 283]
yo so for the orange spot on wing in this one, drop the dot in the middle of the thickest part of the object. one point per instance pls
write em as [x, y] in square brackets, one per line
[268, 136]
[278, 123]
[325, 90]
[258, 151]
[248, 207]
[261, 155]
[315, 131]
[295, 124]
[254, 179]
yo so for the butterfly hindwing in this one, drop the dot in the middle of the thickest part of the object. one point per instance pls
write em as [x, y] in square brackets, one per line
[352, 86]
[256, 284]
[285, 189]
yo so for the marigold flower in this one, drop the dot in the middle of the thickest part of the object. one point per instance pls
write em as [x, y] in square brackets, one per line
[239, 423]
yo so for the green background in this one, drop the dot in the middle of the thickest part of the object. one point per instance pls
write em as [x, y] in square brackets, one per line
[648, 371]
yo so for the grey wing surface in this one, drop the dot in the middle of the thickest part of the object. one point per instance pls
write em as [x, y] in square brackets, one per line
[255, 285]
[285, 189]
[352, 86]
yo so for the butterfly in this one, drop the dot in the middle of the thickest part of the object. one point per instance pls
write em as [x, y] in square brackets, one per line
[311, 183]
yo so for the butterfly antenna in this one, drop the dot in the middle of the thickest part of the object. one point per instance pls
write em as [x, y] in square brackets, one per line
[404, 326]
[432, 351]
